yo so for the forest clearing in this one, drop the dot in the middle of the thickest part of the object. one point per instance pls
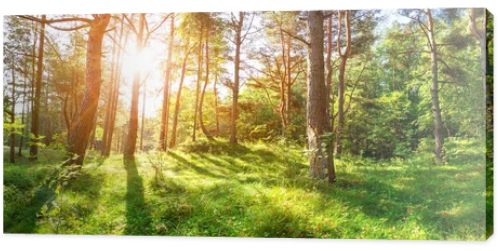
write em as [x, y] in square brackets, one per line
[252, 191]
[354, 124]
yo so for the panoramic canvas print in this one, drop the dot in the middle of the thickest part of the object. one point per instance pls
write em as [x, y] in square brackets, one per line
[354, 124]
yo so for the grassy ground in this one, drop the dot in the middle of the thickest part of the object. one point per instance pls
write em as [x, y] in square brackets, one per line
[260, 190]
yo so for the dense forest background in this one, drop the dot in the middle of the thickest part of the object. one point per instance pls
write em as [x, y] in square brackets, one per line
[391, 102]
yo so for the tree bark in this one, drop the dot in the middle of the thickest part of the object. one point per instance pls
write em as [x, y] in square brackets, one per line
[202, 96]
[317, 117]
[35, 113]
[13, 120]
[436, 109]
[166, 89]
[236, 83]
[83, 123]
[216, 107]
[131, 141]
[143, 113]
[329, 75]
[109, 104]
[173, 138]
[198, 83]
[345, 15]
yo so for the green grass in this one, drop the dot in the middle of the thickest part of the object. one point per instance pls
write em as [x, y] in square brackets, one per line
[257, 190]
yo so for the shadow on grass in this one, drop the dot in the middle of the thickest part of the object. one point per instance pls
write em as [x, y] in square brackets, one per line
[439, 200]
[138, 214]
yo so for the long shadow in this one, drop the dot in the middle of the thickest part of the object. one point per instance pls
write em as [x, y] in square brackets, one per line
[138, 213]
[428, 196]
[191, 165]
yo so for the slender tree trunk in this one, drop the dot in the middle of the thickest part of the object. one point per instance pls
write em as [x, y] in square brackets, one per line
[130, 143]
[82, 125]
[283, 85]
[317, 117]
[436, 109]
[329, 75]
[109, 104]
[116, 96]
[141, 144]
[288, 78]
[202, 97]
[166, 89]
[173, 139]
[13, 120]
[198, 81]
[23, 120]
[216, 107]
[35, 113]
[344, 16]
[236, 83]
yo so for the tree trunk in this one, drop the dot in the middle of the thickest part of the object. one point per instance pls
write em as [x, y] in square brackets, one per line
[341, 85]
[114, 106]
[283, 84]
[23, 120]
[436, 109]
[173, 139]
[317, 117]
[198, 83]
[166, 89]
[83, 123]
[329, 75]
[35, 113]
[131, 140]
[216, 107]
[13, 120]
[141, 144]
[202, 97]
[109, 104]
[236, 84]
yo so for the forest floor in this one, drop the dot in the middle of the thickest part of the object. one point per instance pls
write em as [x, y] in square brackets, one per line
[257, 189]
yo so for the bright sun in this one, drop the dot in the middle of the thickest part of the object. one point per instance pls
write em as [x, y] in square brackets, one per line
[148, 62]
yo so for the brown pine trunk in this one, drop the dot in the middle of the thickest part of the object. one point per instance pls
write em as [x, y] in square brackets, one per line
[283, 84]
[131, 141]
[236, 84]
[83, 123]
[202, 97]
[141, 144]
[35, 113]
[198, 81]
[289, 81]
[436, 109]
[344, 16]
[317, 117]
[173, 139]
[329, 75]
[23, 120]
[216, 107]
[115, 97]
[13, 120]
[166, 89]
[109, 104]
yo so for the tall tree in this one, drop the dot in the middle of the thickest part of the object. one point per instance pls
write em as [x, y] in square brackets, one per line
[344, 51]
[130, 143]
[207, 73]
[84, 119]
[173, 138]
[12, 157]
[166, 88]
[35, 113]
[436, 107]
[237, 26]
[320, 157]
